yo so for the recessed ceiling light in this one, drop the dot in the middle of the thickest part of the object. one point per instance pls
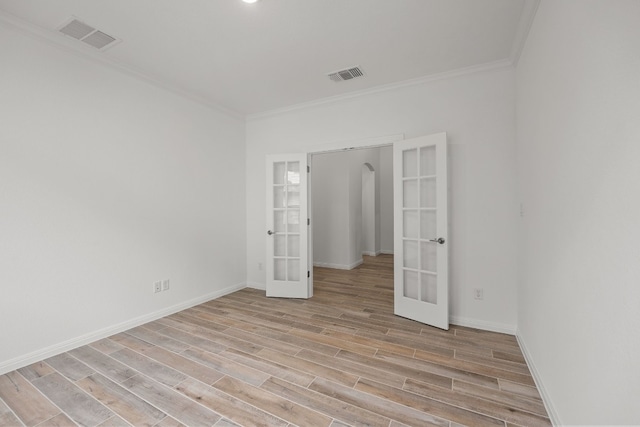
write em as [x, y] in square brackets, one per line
[249, 1]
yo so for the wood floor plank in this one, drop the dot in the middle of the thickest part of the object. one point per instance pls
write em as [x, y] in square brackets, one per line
[60, 420]
[121, 401]
[102, 363]
[399, 369]
[310, 367]
[372, 342]
[153, 337]
[263, 341]
[512, 400]
[335, 342]
[129, 341]
[193, 341]
[114, 421]
[272, 403]
[72, 400]
[228, 406]
[270, 367]
[512, 357]
[362, 370]
[227, 366]
[220, 338]
[184, 365]
[415, 344]
[439, 369]
[471, 367]
[158, 371]
[106, 346]
[172, 402]
[345, 412]
[519, 389]
[448, 342]
[384, 407]
[36, 370]
[192, 317]
[69, 366]
[429, 405]
[472, 403]
[27, 403]
[7, 417]
[502, 364]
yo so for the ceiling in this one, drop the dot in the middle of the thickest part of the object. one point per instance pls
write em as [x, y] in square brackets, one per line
[274, 54]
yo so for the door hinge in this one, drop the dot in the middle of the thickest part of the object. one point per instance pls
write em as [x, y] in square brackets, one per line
[308, 221]
[308, 273]
[308, 169]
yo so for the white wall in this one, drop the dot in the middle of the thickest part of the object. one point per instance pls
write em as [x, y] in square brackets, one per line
[478, 112]
[107, 184]
[578, 159]
[385, 180]
[330, 210]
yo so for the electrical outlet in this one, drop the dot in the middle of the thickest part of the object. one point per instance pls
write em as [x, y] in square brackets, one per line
[157, 287]
[165, 285]
[478, 293]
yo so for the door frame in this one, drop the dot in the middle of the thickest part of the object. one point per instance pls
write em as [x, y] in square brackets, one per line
[333, 147]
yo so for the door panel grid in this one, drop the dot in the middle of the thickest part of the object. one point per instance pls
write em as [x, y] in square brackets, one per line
[420, 255]
[286, 216]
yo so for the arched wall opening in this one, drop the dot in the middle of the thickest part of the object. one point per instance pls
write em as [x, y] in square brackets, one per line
[369, 235]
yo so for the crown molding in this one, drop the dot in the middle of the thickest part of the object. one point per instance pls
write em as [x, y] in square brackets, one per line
[489, 66]
[67, 45]
[522, 32]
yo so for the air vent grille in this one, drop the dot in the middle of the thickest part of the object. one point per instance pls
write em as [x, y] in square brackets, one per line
[348, 74]
[87, 34]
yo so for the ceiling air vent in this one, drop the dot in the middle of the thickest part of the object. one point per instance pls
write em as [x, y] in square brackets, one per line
[87, 34]
[348, 74]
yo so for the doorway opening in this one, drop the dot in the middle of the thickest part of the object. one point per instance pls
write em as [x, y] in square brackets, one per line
[351, 206]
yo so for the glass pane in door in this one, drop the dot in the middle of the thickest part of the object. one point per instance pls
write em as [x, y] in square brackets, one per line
[286, 217]
[428, 161]
[428, 288]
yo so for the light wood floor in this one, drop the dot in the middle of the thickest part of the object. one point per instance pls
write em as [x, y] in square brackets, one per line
[340, 358]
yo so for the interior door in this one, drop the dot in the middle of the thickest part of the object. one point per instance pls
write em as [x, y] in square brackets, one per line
[421, 289]
[287, 227]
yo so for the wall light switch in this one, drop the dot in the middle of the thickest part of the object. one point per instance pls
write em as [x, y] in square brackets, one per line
[165, 285]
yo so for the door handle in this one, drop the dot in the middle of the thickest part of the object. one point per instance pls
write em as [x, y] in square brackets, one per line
[269, 232]
[438, 240]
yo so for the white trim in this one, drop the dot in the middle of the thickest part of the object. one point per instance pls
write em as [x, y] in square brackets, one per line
[70, 46]
[546, 399]
[257, 285]
[367, 253]
[522, 32]
[338, 266]
[504, 63]
[372, 142]
[44, 353]
[387, 252]
[502, 328]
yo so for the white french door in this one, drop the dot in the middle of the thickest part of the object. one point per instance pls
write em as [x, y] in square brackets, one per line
[287, 227]
[421, 289]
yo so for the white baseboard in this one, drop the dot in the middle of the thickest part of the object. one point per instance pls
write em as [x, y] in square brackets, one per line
[502, 328]
[38, 355]
[338, 266]
[546, 400]
[367, 253]
[257, 285]
[386, 252]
